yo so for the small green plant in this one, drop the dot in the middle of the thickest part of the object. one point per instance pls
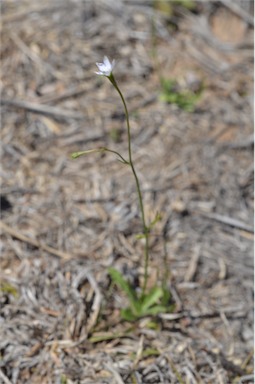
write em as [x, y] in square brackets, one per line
[185, 99]
[144, 302]
[140, 305]
[63, 379]
[168, 6]
[7, 288]
[189, 4]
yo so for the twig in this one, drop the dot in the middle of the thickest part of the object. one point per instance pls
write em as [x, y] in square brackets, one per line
[190, 274]
[36, 9]
[96, 303]
[232, 313]
[226, 364]
[175, 370]
[4, 378]
[227, 220]
[172, 316]
[117, 377]
[43, 109]
[223, 269]
[29, 53]
[244, 144]
[67, 140]
[245, 379]
[208, 62]
[139, 352]
[74, 91]
[238, 11]
[15, 233]
[200, 26]
[177, 299]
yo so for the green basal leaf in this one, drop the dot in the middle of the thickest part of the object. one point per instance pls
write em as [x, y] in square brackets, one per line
[119, 280]
[152, 324]
[63, 379]
[163, 6]
[189, 4]
[156, 309]
[128, 315]
[140, 236]
[150, 352]
[151, 298]
[166, 296]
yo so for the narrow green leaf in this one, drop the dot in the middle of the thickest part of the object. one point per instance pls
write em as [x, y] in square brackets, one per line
[166, 296]
[75, 155]
[128, 315]
[140, 236]
[157, 218]
[98, 337]
[151, 352]
[8, 289]
[155, 310]
[151, 298]
[122, 160]
[118, 279]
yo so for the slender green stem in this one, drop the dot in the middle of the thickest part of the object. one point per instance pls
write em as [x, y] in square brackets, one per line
[138, 188]
[146, 262]
[101, 149]
[116, 153]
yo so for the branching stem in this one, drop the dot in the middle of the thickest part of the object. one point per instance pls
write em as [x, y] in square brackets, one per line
[146, 230]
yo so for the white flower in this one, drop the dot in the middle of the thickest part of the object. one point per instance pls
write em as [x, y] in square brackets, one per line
[105, 68]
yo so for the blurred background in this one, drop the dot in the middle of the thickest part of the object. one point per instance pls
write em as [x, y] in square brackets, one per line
[186, 70]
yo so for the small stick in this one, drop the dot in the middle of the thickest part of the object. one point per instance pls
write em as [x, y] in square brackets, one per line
[29, 53]
[35, 243]
[190, 274]
[96, 304]
[245, 378]
[4, 378]
[117, 377]
[228, 221]
[43, 109]
[223, 269]
[24, 14]
[244, 144]
[238, 11]
[74, 91]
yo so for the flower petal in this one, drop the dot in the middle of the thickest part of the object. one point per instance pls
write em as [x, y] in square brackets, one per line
[105, 68]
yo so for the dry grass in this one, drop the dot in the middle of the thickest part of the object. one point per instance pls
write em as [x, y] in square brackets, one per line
[64, 222]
